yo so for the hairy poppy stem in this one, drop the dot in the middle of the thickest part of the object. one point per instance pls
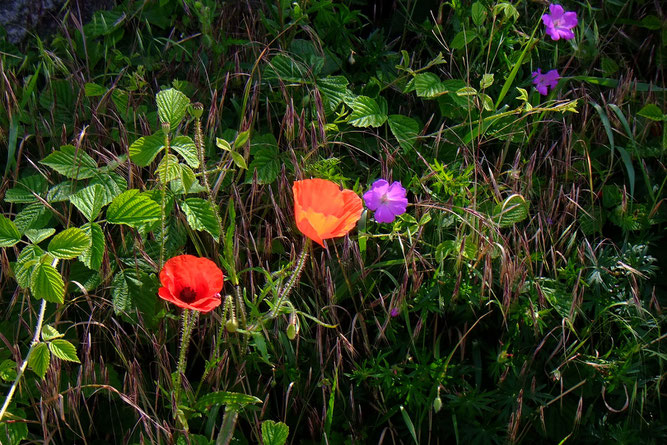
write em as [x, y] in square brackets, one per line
[293, 279]
[189, 319]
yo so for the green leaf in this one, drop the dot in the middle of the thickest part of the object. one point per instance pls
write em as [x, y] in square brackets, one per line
[239, 160]
[185, 146]
[93, 257]
[172, 106]
[39, 359]
[144, 149]
[50, 333]
[8, 371]
[274, 433]
[64, 350]
[133, 290]
[168, 169]
[93, 89]
[90, 201]
[26, 188]
[33, 216]
[9, 234]
[265, 159]
[133, 209]
[223, 144]
[46, 283]
[366, 112]
[409, 424]
[188, 178]
[25, 264]
[234, 399]
[333, 90]
[429, 85]
[405, 130]
[71, 163]
[285, 69]
[113, 184]
[487, 81]
[70, 243]
[478, 12]
[201, 215]
[511, 211]
[651, 111]
[36, 236]
[241, 139]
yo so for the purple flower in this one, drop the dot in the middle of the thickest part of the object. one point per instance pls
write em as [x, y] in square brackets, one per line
[386, 200]
[560, 23]
[544, 81]
[394, 312]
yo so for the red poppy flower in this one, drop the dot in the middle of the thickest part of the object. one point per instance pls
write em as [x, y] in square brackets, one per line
[322, 210]
[191, 282]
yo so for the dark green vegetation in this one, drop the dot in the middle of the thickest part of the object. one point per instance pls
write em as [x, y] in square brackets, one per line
[528, 273]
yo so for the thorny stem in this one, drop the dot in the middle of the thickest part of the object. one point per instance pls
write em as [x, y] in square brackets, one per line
[163, 187]
[293, 279]
[189, 319]
[199, 144]
[24, 365]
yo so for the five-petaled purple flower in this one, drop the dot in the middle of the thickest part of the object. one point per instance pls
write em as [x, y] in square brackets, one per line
[544, 81]
[560, 23]
[394, 312]
[386, 200]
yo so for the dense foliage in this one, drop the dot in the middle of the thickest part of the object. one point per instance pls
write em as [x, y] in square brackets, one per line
[518, 299]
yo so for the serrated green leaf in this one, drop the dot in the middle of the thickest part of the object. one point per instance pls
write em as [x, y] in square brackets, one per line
[185, 146]
[131, 291]
[651, 111]
[61, 192]
[133, 209]
[201, 216]
[113, 184]
[70, 243]
[8, 371]
[333, 90]
[187, 178]
[172, 106]
[50, 333]
[286, 69]
[25, 263]
[40, 359]
[36, 236]
[235, 399]
[428, 85]
[94, 90]
[466, 91]
[366, 112]
[144, 149]
[90, 201]
[26, 188]
[478, 12]
[274, 433]
[405, 130]
[265, 159]
[93, 257]
[9, 233]
[46, 283]
[241, 139]
[71, 163]
[64, 350]
[33, 216]
[511, 211]
[168, 169]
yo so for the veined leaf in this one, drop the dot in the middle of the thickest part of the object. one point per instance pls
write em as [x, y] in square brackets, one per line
[185, 146]
[429, 85]
[274, 433]
[26, 188]
[201, 216]
[93, 257]
[235, 399]
[25, 264]
[333, 90]
[113, 184]
[405, 130]
[133, 209]
[49, 333]
[132, 290]
[39, 359]
[366, 112]
[285, 69]
[46, 283]
[71, 163]
[90, 201]
[265, 159]
[36, 236]
[69, 243]
[64, 350]
[511, 211]
[33, 216]
[168, 169]
[171, 106]
[144, 149]
[9, 234]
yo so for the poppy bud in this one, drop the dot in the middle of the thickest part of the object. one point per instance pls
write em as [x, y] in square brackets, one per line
[437, 404]
[231, 325]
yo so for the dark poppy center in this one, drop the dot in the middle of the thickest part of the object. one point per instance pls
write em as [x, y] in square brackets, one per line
[187, 295]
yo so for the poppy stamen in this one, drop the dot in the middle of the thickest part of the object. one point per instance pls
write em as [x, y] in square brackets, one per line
[187, 295]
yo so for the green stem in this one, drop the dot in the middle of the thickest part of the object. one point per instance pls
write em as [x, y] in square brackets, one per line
[293, 279]
[24, 365]
[189, 318]
[163, 204]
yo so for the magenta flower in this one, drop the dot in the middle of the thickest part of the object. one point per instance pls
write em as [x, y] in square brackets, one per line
[394, 312]
[560, 23]
[544, 81]
[387, 201]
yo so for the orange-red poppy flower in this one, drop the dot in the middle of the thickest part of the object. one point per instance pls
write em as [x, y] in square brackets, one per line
[322, 210]
[191, 282]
